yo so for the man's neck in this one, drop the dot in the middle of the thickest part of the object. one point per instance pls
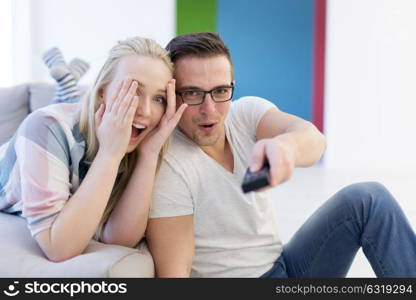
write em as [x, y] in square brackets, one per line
[221, 152]
[217, 150]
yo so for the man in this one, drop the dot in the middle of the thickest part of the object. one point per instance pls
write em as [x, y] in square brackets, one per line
[203, 225]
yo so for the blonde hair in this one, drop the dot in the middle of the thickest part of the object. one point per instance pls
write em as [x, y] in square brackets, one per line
[91, 102]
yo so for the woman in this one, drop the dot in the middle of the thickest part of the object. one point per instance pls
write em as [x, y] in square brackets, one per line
[75, 171]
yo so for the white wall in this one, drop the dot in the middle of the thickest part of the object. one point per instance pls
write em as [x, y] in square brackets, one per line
[5, 43]
[370, 96]
[87, 29]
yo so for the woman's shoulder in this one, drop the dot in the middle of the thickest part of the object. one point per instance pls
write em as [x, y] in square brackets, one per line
[55, 124]
[61, 115]
[65, 113]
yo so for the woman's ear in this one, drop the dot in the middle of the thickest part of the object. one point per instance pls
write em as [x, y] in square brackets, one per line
[101, 94]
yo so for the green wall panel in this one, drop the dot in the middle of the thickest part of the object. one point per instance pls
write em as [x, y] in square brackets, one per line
[196, 16]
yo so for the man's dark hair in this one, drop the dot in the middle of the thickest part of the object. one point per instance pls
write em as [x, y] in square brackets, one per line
[202, 44]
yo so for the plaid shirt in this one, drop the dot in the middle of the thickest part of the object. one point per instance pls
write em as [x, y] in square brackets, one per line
[42, 165]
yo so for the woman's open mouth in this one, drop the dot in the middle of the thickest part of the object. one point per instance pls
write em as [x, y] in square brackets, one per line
[136, 130]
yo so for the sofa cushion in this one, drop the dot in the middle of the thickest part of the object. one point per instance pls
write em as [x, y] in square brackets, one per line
[20, 256]
[14, 107]
[137, 264]
[41, 94]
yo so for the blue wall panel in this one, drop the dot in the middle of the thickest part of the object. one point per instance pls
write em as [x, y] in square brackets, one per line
[271, 46]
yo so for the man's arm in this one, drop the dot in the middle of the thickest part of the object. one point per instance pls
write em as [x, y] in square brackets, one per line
[171, 242]
[288, 142]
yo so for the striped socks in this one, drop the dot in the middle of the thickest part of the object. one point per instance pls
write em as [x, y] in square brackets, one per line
[65, 75]
[78, 67]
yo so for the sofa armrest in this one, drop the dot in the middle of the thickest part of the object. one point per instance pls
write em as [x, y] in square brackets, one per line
[14, 107]
[20, 256]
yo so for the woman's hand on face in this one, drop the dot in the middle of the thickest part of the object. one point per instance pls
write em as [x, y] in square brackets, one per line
[155, 139]
[114, 119]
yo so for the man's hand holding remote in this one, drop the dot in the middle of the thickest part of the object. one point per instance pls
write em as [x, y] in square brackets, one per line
[280, 152]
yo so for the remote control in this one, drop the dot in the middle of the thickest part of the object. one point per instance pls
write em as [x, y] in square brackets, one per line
[256, 180]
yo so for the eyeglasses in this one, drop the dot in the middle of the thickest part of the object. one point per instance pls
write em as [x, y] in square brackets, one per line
[197, 97]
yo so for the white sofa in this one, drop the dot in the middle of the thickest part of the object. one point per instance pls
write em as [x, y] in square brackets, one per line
[20, 256]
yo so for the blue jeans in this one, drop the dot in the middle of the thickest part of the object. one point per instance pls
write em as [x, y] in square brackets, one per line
[360, 215]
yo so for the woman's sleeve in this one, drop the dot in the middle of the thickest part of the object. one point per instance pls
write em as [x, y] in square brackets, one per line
[43, 157]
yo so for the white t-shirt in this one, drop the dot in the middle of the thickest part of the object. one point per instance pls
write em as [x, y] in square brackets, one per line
[235, 233]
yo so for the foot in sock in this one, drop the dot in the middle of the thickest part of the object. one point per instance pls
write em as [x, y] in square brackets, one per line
[67, 85]
[54, 59]
[78, 68]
